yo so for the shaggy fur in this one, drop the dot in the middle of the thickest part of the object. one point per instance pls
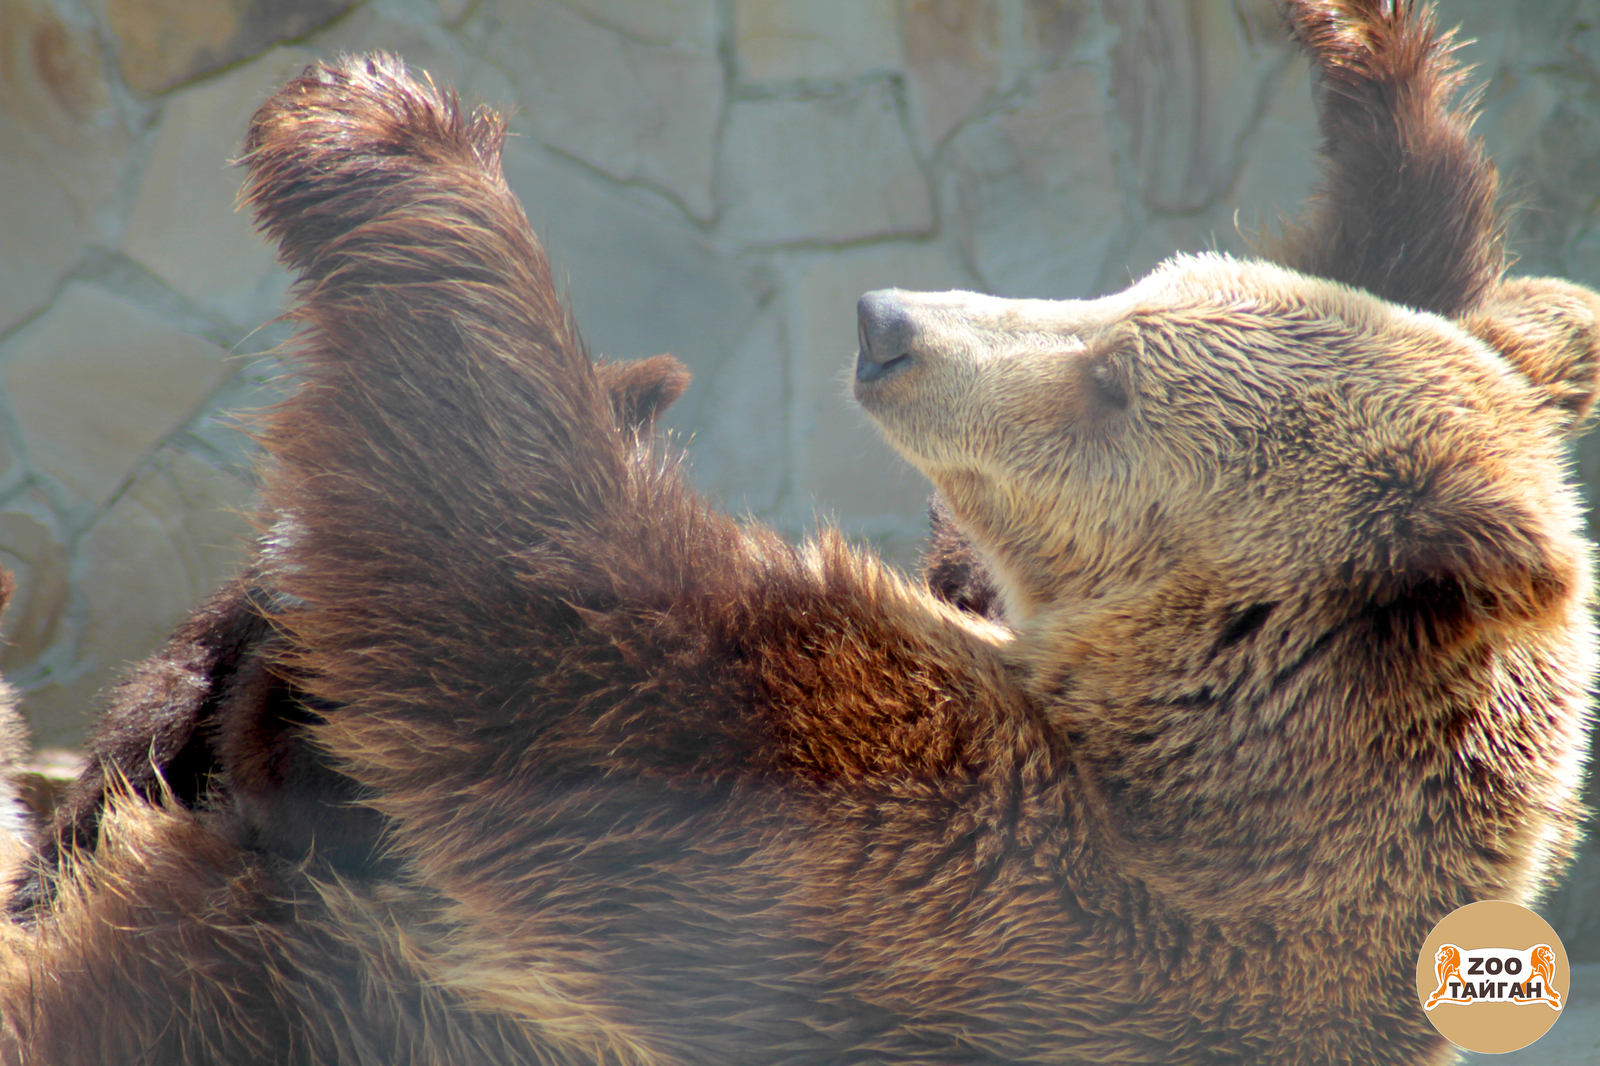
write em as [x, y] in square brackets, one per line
[214, 717]
[953, 569]
[654, 787]
[1408, 208]
[14, 827]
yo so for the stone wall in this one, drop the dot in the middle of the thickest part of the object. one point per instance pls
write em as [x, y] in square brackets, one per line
[718, 178]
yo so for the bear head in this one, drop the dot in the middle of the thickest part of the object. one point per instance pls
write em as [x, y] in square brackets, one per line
[1236, 514]
[1097, 447]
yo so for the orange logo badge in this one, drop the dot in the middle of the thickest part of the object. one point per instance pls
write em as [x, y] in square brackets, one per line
[1492, 977]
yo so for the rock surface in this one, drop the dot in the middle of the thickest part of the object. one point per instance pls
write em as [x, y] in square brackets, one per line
[150, 377]
[63, 152]
[821, 169]
[220, 265]
[636, 110]
[1034, 189]
[818, 40]
[165, 43]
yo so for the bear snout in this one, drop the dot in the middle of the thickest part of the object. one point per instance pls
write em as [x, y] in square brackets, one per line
[886, 330]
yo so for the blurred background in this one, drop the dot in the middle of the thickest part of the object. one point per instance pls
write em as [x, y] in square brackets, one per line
[715, 178]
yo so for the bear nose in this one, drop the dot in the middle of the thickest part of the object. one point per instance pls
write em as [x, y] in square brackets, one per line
[886, 330]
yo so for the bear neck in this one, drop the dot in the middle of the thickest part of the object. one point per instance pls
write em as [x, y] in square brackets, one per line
[1232, 750]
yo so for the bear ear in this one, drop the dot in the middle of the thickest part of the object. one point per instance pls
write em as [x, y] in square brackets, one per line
[1468, 549]
[641, 390]
[1549, 330]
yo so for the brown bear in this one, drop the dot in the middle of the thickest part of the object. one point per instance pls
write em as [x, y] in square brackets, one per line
[1285, 655]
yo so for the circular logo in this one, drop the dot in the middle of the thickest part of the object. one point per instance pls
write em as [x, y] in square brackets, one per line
[1492, 977]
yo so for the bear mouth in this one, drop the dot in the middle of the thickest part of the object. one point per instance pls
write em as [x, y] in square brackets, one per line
[869, 372]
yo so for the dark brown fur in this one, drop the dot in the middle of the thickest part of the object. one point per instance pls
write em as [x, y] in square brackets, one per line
[214, 719]
[952, 568]
[1408, 208]
[659, 788]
